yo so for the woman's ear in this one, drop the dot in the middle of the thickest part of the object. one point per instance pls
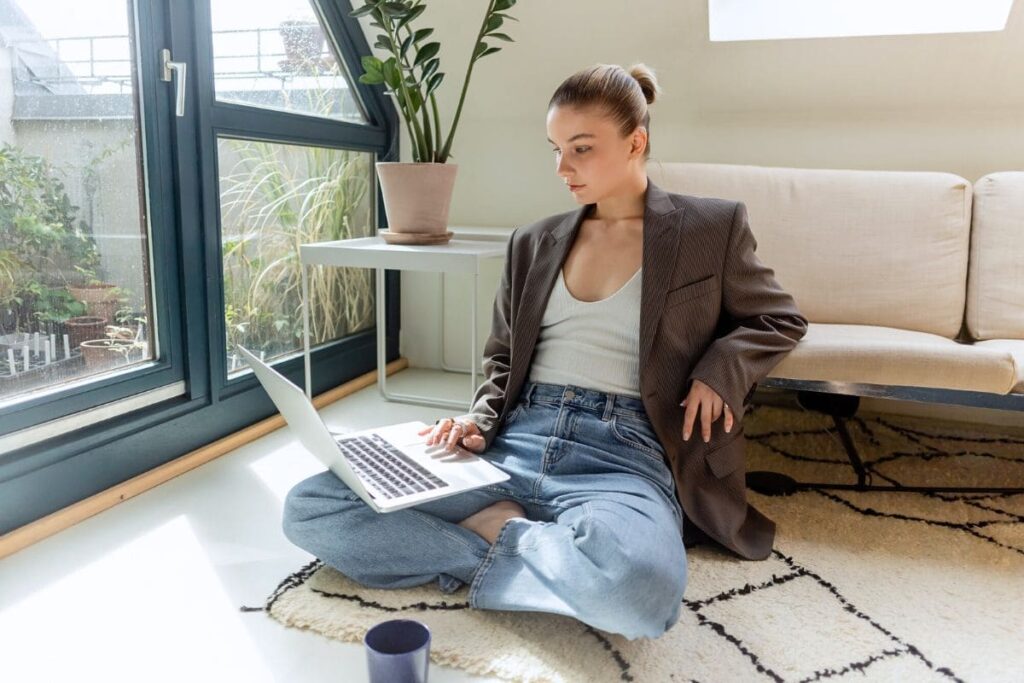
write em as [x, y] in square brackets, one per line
[639, 141]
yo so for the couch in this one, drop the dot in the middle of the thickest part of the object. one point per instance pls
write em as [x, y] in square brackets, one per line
[913, 283]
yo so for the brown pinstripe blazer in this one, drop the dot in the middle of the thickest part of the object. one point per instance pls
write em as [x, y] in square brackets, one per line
[709, 310]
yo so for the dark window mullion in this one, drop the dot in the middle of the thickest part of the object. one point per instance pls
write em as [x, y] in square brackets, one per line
[255, 123]
[238, 120]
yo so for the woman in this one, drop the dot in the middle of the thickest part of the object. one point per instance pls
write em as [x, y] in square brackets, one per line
[610, 305]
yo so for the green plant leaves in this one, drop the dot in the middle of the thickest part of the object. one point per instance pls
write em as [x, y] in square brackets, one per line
[483, 49]
[385, 43]
[372, 69]
[364, 10]
[411, 16]
[426, 52]
[405, 45]
[393, 9]
[493, 23]
[410, 91]
[392, 74]
[433, 82]
[430, 68]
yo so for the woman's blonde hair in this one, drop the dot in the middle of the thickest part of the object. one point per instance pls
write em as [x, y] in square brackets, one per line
[623, 95]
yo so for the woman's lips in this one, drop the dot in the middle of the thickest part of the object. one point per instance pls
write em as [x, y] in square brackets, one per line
[573, 188]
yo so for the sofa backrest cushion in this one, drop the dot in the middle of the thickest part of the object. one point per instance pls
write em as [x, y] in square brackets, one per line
[885, 248]
[995, 278]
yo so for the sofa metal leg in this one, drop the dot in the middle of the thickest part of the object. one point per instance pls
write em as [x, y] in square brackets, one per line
[840, 407]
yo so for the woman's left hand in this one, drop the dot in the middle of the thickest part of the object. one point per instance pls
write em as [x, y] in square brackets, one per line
[711, 407]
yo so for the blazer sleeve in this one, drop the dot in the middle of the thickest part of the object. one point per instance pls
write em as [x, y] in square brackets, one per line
[490, 395]
[765, 323]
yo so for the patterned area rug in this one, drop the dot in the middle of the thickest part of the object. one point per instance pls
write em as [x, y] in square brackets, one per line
[873, 586]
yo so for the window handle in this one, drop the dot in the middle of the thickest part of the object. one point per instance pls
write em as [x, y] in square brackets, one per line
[180, 68]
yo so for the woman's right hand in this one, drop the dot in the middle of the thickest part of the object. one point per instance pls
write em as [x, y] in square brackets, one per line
[464, 433]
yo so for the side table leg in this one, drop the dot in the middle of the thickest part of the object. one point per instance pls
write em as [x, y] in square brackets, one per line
[305, 328]
[444, 364]
[381, 337]
[473, 360]
[431, 401]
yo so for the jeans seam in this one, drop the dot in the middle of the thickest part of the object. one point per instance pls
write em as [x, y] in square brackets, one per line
[486, 563]
[432, 521]
[646, 450]
[529, 499]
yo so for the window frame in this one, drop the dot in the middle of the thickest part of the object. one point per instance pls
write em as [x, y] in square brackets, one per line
[49, 475]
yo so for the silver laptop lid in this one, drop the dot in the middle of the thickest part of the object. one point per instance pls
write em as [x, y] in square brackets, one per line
[301, 415]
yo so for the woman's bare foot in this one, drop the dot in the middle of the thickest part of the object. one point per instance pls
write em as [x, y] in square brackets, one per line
[489, 521]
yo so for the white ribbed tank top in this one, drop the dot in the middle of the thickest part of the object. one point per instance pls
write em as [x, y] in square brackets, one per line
[593, 344]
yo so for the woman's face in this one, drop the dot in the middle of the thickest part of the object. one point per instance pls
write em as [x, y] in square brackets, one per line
[590, 154]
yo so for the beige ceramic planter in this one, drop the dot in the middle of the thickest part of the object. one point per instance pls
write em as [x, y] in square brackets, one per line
[84, 327]
[101, 353]
[417, 196]
[101, 300]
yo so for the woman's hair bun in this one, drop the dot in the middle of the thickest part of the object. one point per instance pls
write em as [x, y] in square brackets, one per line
[644, 75]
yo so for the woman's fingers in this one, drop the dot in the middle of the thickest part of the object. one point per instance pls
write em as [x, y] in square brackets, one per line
[438, 431]
[456, 432]
[450, 432]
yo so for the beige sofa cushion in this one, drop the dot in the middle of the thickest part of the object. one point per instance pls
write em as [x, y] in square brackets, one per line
[884, 355]
[1015, 347]
[995, 284]
[887, 248]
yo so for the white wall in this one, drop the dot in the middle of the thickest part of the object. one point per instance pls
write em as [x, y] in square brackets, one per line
[943, 102]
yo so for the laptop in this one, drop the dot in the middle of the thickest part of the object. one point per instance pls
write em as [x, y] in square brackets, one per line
[389, 467]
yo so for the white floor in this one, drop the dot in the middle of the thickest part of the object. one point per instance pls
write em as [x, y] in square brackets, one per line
[149, 590]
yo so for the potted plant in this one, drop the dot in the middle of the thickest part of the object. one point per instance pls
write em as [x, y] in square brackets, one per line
[101, 298]
[417, 195]
[82, 328]
[118, 347]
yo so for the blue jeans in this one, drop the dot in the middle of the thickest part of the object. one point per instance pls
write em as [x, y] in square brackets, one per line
[602, 541]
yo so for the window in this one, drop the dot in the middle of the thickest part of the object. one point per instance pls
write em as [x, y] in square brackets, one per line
[780, 19]
[176, 229]
[273, 197]
[75, 281]
[276, 55]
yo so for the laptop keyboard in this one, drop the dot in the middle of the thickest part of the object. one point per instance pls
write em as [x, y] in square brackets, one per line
[393, 472]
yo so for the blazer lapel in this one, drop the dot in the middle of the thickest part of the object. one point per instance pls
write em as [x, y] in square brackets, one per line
[552, 249]
[662, 230]
[660, 249]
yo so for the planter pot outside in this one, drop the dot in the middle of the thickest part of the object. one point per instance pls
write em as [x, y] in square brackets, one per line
[103, 353]
[417, 196]
[100, 300]
[84, 327]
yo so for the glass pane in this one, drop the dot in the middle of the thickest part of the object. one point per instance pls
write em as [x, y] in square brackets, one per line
[75, 296]
[275, 197]
[276, 55]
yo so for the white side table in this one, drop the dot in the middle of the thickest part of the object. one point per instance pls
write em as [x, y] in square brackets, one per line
[457, 256]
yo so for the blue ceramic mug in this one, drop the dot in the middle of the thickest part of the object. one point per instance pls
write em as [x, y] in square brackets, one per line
[398, 651]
